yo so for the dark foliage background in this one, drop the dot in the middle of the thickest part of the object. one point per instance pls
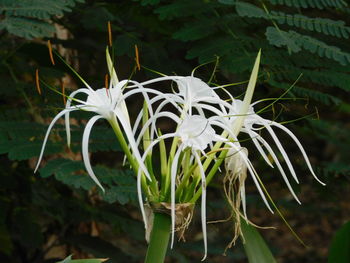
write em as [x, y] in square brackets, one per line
[57, 212]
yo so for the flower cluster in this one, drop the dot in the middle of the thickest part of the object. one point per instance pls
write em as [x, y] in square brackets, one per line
[204, 136]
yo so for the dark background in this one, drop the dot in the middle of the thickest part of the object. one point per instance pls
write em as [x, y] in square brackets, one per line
[47, 216]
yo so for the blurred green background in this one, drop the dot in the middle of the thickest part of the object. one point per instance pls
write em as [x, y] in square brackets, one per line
[47, 216]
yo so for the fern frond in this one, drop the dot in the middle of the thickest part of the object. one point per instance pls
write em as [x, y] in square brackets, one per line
[295, 42]
[29, 19]
[27, 28]
[320, 25]
[320, 4]
[40, 9]
[250, 10]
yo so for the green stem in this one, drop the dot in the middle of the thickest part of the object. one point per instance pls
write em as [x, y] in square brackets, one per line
[211, 174]
[125, 147]
[159, 239]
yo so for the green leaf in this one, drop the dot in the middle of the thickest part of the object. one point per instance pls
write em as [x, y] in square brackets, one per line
[31, 19]
[255, 247]
[121, 194]
[249, 10]
[339, 251]
[91, 260]
[295, 42]
[27, 28]
[281, 38]
[320, 4]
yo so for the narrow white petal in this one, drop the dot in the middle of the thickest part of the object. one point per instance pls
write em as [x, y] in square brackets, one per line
[139, 194]
[244, 202]
[59, 115]
[152, 121]
[253, 173]
[301, 148]
[66, 116]
[85, 149]
[173, 78]
[258, 146]
[172, 192]
[279, 166]
[278, 144]
[203, 204]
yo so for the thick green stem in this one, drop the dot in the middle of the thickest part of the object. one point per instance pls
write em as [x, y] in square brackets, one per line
[159, 239]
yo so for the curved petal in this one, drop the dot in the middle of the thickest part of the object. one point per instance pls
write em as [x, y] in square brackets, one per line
[203, 204]
[152, 120]
[85, 149]
[173, 78]
[172, 192]
[59, 115]
[253, 173]
[278, 144]
[279, 166]
[139, 195]
[68, 104]
[301, 148]
[253, 136]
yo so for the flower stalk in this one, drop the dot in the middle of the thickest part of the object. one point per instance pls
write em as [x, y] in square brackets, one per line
[159, 239]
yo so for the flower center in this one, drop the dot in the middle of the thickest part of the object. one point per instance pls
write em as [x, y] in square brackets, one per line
[195, 132]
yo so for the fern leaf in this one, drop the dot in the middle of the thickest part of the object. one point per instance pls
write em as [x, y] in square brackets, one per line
[321, 25]
[281, 38]
[250, 10]
[320, 4]
[40, 9]
[27, 28]
[295, 42]
[121, 187]
[29, 19]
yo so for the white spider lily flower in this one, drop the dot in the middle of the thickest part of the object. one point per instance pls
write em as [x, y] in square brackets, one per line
[193, 93]
[236, 168]
[193, 90]
[252, 123]
[108, 104]
[195, 133]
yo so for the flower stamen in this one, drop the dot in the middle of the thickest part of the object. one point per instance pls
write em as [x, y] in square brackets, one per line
[109, 27]
[37, 82]
[137, 58]
[50, 52]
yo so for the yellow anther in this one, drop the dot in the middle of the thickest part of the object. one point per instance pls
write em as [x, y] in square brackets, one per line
[50, 52]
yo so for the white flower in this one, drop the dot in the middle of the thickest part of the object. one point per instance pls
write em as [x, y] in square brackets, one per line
[195, 133]
[108, 104]
[253, 123]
